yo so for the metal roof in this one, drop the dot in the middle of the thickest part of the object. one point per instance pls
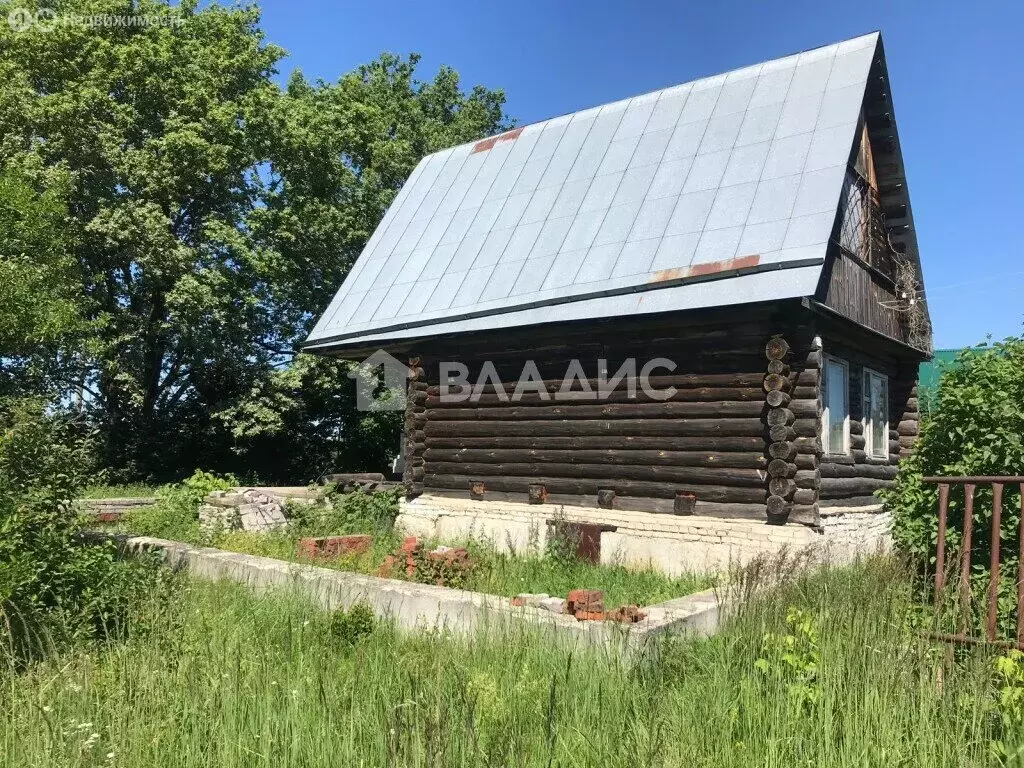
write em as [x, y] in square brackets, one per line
[719, 191]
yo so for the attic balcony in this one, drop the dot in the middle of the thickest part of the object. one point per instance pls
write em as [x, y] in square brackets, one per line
[863, 234]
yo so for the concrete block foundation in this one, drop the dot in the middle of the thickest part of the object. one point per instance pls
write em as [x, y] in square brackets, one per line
[673, 544]
[420, 607]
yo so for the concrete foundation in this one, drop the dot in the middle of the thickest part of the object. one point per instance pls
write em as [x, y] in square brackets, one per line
[112, 510]
[425, 606]
[673, 544]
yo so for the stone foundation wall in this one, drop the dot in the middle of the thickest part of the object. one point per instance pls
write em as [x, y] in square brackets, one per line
[112, 510]
[673, 544]
[858, 530]
[415, 607]
[253, 509]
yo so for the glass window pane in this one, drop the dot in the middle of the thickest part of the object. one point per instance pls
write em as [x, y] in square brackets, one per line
[838, 410]
[878, 414]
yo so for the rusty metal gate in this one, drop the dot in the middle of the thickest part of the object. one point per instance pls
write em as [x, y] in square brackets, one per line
[970, 485]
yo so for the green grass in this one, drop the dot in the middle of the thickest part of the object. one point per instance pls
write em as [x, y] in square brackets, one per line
[223, 678]
[499, 573]
[495, 572]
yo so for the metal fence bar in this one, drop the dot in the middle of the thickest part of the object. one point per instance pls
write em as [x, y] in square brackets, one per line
[961, 479]
[940, 552]
[1020, 572]
[965, 555]
[970, 483]
[993, 583]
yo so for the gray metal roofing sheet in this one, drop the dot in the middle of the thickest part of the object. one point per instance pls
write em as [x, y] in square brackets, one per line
[618, 199]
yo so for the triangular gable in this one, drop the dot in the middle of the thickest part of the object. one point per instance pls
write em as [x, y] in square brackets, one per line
[874, 224]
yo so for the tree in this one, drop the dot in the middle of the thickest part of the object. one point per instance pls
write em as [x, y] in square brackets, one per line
[212, 213]
[38, 310]
[976, 427]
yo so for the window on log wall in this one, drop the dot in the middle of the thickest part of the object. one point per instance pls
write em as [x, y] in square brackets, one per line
[835, 430]
[876, 414]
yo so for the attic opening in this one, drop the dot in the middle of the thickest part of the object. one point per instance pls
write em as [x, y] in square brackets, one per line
[875, 228]
[863, 233]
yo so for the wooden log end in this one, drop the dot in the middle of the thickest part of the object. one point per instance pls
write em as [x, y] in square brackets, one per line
[776, 348]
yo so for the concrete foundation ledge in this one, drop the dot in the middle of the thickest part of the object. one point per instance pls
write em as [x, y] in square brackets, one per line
[672, 544]
[424, 606]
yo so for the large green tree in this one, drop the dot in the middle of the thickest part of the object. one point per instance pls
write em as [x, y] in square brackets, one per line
[211, 213]
[39, 319]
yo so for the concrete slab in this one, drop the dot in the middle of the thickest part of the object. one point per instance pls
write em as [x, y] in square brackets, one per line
[425, 606]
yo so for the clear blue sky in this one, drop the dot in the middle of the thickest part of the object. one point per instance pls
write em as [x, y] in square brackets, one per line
[956, 72]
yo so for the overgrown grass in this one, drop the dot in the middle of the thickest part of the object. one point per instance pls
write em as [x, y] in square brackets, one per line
[228, 679]
[499, 573]
[556, 573]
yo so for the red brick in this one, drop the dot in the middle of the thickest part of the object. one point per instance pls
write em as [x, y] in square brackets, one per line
[590, 615]
[387, 568]
[307, 549]
[411, 546]
[585, 596]
[627, 614]
[585, 599]
[518, 602]
[334, 546]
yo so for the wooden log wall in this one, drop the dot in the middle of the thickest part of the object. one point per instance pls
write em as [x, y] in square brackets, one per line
[851, 479]
[792, 415]
[415, 418]
[863, 295]
[709, 439]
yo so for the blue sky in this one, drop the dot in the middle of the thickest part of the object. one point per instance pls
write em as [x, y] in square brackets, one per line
[956, 72]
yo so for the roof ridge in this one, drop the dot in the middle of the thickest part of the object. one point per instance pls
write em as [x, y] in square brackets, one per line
[518, 127]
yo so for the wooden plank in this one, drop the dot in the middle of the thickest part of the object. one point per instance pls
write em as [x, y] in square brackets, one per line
[577, 397]
[580, 427]
[653, 410]
[689, 475]
[710, 383]
[663, 506]
[590, 487]
[607, 456]
[602, 442]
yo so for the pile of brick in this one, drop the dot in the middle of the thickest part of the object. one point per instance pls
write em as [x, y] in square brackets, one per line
[409, 553]
[330, 547]
[583, 604]
[443, 566]
[243, 509]
[586, 604]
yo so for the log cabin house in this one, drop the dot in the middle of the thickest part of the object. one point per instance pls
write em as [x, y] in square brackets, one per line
[754, 228]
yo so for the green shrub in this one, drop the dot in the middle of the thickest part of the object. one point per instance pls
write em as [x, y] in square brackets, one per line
[53, 587]
[355, 512]
[176, 512]
[975, 428]
[351, 626]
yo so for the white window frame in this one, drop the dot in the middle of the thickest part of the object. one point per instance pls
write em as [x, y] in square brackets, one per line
[869, 439]
[827, 448]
